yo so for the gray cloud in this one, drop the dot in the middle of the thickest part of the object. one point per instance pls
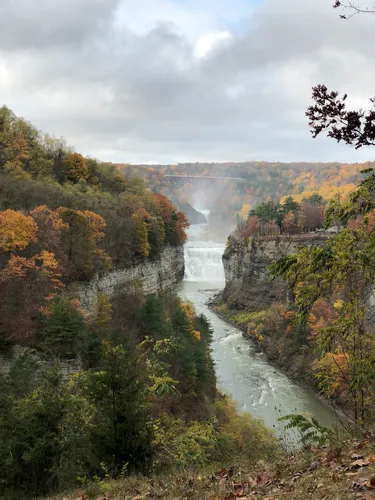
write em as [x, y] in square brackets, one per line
[86, 70]
[45, 24]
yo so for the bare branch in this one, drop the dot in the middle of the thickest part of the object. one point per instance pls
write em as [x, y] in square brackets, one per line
[353, 9]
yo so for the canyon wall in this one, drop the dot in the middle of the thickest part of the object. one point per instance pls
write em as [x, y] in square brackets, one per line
[150, 276]
[245, 263]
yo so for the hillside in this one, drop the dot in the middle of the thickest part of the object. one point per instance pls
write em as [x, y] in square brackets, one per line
[262, 181]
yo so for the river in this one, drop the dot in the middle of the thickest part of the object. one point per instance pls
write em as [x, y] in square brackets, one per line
[253, 383]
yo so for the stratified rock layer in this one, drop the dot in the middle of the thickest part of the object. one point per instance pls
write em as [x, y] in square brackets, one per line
[149, 276]
[247, 283]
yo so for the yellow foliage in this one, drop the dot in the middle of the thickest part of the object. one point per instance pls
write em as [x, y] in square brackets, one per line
[335, 368]
[244, 212]
[96, 222]
[338, 304]
[197, 334]
[16, 231]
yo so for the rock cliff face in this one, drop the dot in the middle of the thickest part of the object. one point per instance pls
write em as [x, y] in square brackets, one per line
[68, 367]
[247, 284]
[151, 276]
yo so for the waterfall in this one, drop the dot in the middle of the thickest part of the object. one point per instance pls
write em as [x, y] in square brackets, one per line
[203, 262]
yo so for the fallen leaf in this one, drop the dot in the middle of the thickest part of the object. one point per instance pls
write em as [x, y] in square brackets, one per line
[355, 456]
[371, 458]
[368, 495]
[372, 483]
[362, 444]
[252, 482]
[359, 463]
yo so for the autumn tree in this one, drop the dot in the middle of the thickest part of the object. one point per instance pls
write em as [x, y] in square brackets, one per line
[293, 223]
[78, 244]
[75, 167]
[16, 231]
[253, 225]
[313, 215]
[96, 222]
[141, 222]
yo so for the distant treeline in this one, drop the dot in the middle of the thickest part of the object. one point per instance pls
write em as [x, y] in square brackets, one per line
[263, 181]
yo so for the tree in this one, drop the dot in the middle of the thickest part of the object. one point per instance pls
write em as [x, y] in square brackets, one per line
[314, 199]
[96, 222]
[78, 243]
[253, 225]
[293, 223]
[16, 231]
[342, 272]
[75, 167]
[313, 215]
[100, 320]
[290, 205]
[64, 331]
[141, 220]
[120, 435]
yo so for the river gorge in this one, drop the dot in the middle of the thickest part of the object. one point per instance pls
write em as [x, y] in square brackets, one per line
[242, 372]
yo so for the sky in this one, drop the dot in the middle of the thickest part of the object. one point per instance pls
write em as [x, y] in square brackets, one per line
[168, 81]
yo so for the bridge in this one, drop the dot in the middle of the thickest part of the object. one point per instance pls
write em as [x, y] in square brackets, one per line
[206, 177]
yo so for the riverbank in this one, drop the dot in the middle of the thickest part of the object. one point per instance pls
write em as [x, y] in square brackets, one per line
[260, 344]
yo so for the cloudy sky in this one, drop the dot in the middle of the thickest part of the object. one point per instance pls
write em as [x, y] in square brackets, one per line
[168, 81]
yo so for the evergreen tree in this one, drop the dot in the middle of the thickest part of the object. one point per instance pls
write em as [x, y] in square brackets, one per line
[64, 331]
[121, 433]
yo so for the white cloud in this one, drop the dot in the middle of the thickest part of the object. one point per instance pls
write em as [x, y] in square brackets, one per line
[209, 41]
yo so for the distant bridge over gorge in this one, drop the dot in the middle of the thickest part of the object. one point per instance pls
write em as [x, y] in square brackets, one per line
[206, 177]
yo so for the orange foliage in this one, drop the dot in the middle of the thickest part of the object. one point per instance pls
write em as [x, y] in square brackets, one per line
[44, 215]
[17, 267]
[321, 315]
[182, 224]
[16, 231]
[96, 222]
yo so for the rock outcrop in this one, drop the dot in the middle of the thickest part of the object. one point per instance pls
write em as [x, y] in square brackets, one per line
[245, 264]
[150, 276]
[68, 367]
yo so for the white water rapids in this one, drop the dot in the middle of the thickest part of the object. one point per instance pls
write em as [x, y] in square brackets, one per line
[245, 374]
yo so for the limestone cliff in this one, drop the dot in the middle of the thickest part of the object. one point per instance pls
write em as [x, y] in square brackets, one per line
[245, 264]
[151, 276]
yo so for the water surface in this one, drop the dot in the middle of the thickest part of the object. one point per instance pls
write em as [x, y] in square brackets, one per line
[245, 374]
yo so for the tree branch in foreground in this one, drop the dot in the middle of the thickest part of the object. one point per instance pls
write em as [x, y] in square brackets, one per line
[329, 113]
